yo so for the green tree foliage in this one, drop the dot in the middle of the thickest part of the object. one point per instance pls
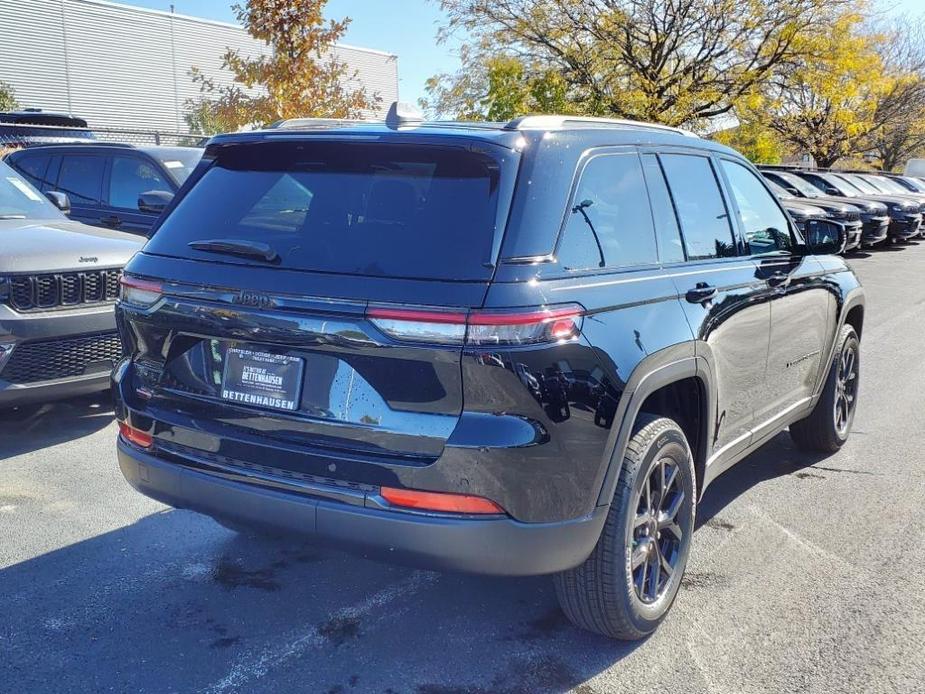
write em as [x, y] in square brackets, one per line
[300, 77]
[670, 61]
[7, 98]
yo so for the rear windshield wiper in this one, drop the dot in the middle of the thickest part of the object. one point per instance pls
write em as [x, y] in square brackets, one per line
[239, 247]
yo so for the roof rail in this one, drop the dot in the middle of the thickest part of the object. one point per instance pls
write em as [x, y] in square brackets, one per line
[301, 123]
[400, 115]
[553, 122]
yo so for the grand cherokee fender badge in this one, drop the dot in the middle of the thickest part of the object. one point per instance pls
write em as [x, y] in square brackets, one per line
[254, 299]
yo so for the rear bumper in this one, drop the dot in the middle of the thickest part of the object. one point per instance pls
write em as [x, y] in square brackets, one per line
[496, 545]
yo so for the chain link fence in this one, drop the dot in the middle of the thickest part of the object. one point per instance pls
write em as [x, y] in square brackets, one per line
[18, 135]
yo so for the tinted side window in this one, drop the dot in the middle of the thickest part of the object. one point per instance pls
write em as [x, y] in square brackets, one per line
[81, 177]
[670, 248]
[33, 168]
[764, 223]
[130, 178]
[700, 206]
[610, 223]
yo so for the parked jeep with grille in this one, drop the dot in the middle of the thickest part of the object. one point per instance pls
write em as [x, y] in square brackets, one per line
[58, 282]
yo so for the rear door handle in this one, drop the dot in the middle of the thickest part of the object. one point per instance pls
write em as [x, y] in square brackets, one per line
[111, 221]
[701, 293]
[779, 279]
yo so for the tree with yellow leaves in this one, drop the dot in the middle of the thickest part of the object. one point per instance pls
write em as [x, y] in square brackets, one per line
[300, 77]
[825, 105]
[677, 62]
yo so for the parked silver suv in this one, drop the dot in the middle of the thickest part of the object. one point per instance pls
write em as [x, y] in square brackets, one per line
[58, 282]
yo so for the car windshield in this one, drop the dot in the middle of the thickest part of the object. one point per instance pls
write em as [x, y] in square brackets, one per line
[842, 187]
[888, 185]
[777, 190]
[19, 200]
[801, 184]
[861, 184]
[913, 183]
[410, 211]
[179, 161]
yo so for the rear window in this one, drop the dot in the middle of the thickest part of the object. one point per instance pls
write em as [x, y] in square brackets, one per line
[423, 212]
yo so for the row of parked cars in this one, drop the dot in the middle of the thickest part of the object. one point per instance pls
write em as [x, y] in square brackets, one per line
[874, 207]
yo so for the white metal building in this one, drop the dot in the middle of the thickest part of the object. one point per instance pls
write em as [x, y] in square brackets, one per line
[125, 67]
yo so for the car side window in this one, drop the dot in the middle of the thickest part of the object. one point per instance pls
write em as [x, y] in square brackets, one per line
[609, 222]
[763, 221]
[33, 169]
[81, 177]
[700, 206]
[670, 246]
[130, 177]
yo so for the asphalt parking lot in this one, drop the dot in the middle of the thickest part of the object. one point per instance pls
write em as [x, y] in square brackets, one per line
[806, 573]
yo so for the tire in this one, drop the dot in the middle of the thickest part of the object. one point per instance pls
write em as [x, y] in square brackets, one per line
[822, 431]
[602, 594]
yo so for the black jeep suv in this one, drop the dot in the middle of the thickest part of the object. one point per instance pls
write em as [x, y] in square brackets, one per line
[510, 349]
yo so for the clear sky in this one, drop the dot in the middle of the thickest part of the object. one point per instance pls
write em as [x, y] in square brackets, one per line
[407, 28]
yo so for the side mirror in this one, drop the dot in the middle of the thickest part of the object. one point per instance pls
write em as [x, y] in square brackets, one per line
[59, 200]
[154, 201]
[824, 237]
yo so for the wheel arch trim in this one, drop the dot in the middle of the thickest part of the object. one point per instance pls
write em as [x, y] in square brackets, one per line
[656, 371]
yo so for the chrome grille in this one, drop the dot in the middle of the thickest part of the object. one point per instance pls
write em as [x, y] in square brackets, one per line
[43, 292]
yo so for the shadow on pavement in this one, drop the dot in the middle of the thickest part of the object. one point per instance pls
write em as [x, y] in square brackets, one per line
[777, 458]
[174, 602]
[31, 429]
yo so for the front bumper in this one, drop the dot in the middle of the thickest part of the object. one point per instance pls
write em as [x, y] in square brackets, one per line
[875, 230]
[853, 231]
[497, 545]
[28, 331]
[905, 226]
[12, 394]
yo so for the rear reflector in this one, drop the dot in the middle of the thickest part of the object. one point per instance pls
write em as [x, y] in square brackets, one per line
[139, 292]
[132, 435]
[490, 327]
[439, 501]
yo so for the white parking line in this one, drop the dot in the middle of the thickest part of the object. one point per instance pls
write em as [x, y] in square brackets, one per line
[257, 664]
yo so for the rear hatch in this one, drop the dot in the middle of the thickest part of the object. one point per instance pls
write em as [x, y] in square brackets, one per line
[251, 314]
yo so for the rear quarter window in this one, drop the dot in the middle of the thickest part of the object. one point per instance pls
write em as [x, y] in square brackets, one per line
[414, 211]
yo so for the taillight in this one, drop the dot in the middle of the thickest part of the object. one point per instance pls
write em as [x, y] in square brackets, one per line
[139, 292]
[479, 327]
[136, 436]
[439, 501]
[444, 327]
